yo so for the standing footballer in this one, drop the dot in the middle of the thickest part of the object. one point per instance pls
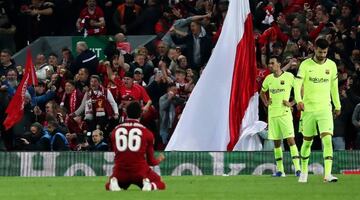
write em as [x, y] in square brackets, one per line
[134, 153]
[280, 120]
[318, 78]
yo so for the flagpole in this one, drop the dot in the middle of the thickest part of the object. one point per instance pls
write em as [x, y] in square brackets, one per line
[32, 73]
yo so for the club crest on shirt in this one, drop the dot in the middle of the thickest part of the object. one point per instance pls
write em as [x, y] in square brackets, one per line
[327, 71]
[282, 82]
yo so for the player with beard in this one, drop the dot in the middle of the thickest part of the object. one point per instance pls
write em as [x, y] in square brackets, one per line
[317, 76]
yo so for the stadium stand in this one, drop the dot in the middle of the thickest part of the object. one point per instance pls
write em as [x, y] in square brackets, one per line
[154, 52]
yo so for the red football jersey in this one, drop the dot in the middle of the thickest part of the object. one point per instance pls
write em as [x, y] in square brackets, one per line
[84, 14]
[137, 91]
[133, 146]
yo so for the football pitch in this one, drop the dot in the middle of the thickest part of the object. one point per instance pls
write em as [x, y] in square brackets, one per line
[183, 187]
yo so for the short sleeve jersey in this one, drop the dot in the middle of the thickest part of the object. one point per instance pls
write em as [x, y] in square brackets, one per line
[317, 82]
[137, 91]
[279, 89]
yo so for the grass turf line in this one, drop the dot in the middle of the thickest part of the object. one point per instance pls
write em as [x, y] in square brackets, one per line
[182, 187]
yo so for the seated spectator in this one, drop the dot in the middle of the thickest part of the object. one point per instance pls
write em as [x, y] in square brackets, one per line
[97, 139]
[38, 140]
[58, 141]
[91, 20]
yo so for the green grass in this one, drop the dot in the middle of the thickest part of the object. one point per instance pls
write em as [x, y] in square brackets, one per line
[185, 187]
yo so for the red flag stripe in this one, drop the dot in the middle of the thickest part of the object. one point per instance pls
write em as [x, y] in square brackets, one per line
[243, 83]
[15, 109]
[30, 67]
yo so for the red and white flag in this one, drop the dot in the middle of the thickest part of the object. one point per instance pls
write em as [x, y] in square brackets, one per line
[222, 111]
[15, 109]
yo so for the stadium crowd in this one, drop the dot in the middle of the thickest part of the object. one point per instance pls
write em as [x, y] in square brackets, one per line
[80, 99]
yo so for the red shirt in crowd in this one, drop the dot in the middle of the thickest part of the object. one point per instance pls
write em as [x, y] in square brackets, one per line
[95, 16]
[261, 74]
[137, 91]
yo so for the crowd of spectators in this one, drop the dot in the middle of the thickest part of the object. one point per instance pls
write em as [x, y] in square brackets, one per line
[80, 99]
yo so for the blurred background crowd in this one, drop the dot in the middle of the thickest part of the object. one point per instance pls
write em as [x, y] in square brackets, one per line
[80, 98]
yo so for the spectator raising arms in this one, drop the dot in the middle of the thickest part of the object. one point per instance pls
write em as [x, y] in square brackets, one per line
[91, 20]
[98, 104]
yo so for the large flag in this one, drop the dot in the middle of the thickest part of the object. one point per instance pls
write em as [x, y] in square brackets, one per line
[15, 109]
[222, 111]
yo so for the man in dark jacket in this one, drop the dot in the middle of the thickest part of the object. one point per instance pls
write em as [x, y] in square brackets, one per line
[85, 59]
[58, 140]
[198, 46]
[38, 139]
[99, 144]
